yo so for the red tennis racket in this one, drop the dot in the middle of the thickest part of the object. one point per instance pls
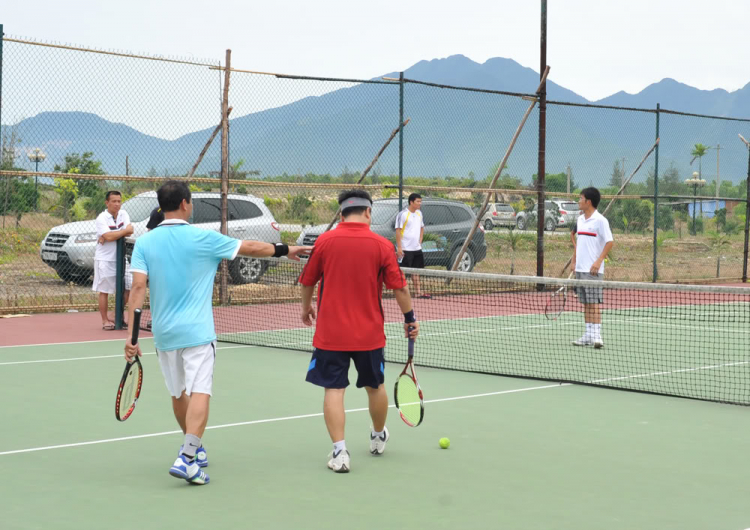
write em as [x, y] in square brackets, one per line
[408, 394]
[132, 378]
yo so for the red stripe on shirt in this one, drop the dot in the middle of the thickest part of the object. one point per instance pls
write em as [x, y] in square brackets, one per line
[587, 234]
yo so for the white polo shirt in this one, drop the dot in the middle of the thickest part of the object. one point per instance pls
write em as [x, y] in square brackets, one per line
[592, 234]
[105, 222]
[410, 223]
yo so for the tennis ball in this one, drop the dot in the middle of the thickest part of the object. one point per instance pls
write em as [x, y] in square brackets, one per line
[606, 260]
[445, 443]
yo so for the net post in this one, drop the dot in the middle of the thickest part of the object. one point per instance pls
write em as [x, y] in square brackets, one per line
[120, 283]
[747, 218]
[656, 197]
[400, 141]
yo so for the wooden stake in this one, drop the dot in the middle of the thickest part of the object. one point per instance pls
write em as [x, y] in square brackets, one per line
[497, 173]
[366, 171]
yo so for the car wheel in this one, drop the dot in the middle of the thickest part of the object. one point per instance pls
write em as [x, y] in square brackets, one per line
[246, 270]
[521, 223]
[550, 225]
[488, 225]
[467, 262]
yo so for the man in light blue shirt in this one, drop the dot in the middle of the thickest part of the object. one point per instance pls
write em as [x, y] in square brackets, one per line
[180, 263]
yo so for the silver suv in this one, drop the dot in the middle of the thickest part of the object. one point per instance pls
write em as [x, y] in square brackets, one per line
[498, 214]
[559, 213]
[70, 248]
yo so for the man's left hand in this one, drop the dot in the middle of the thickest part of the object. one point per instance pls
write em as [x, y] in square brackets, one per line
[595, 267]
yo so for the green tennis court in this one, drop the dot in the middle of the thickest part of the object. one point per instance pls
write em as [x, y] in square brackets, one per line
[525, 454]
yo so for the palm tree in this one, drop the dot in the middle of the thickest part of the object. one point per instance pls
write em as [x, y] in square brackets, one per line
[699, 152]
[514, 239]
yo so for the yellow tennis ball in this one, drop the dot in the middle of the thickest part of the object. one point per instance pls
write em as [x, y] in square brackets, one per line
[445, 443]
[606, 260]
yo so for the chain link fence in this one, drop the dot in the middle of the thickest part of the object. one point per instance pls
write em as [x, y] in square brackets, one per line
[295, 142]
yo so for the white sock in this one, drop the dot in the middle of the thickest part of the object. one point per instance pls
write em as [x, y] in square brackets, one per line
[589, 330]
[378, 434]
[596, 331]
[339, 446]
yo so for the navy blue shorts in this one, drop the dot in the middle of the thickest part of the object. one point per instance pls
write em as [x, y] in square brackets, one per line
[330, 369]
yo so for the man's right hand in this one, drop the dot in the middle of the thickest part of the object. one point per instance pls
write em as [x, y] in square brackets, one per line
[296, 252]
[400, 253]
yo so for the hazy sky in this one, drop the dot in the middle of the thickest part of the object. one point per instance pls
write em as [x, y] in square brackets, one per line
[595, 47]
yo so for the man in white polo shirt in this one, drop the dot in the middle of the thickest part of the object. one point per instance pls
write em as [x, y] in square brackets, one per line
[409, 234]
[180, 262]
[111, 225]
[590, 248]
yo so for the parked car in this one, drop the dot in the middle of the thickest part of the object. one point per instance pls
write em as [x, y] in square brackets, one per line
[568, 210]
[498, 214]
[526, 220]
[70, 248]
[447, 225]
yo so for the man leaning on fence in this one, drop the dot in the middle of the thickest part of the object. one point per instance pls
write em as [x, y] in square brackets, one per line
[112, 224]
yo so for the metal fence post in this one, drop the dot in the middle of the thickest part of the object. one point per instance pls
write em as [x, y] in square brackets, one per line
[541, 170]
[400, 141]
[747, 219]
[120, 283]
[656, 197]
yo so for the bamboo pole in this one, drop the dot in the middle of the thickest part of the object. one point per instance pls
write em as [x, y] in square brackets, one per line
[366, 171]
[208, 144]
[499, 170]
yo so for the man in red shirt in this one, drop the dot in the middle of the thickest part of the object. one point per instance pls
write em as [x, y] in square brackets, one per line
[352, 264]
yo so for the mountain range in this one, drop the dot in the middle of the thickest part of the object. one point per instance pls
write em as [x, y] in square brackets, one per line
[451, 132]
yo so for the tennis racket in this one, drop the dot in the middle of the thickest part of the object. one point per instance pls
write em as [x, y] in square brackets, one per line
[408, 394]
[556, 302]
[132, 378]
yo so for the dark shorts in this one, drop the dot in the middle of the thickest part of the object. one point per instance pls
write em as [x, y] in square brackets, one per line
[330, 369]
[413, 259]
[590, 295]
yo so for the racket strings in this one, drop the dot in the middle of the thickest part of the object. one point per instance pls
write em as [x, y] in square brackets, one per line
[407, 396]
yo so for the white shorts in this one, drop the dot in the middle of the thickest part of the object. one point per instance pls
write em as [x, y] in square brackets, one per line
[188, 369]
[105, 274]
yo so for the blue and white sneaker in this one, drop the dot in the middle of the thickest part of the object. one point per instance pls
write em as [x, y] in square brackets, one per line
[189, 471]
[201, 457]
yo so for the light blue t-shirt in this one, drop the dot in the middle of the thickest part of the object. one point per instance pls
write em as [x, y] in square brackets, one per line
[181, 261]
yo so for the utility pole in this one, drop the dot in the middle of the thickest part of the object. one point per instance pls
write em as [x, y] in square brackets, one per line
[622, 168]
[718, 178]
[568, 172]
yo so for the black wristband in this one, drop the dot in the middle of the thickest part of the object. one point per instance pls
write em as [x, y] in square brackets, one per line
[280, 249]
[409, 317]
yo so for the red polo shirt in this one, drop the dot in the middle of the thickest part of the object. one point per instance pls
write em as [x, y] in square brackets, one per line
[352, 264]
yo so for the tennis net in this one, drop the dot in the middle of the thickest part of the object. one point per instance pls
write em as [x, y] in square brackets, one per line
[678, 340]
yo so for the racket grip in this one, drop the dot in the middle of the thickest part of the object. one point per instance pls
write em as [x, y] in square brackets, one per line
[136, 326]
[411, 344]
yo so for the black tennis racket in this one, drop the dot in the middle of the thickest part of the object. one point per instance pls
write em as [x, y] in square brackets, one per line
[556, 301]
[132, 378]
[408, 394]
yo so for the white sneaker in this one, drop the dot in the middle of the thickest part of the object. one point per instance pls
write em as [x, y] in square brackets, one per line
[598, 343]
[189, 471]
[583, 341]
[377, 443]
[339, 462]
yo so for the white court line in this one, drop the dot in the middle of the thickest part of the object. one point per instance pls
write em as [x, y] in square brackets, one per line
[65, 343]
[122, 355]
[268, 420]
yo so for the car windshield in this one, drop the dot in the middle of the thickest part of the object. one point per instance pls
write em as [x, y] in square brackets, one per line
[383, 212]
[503, 207]
[139, 208]
[569, 206]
